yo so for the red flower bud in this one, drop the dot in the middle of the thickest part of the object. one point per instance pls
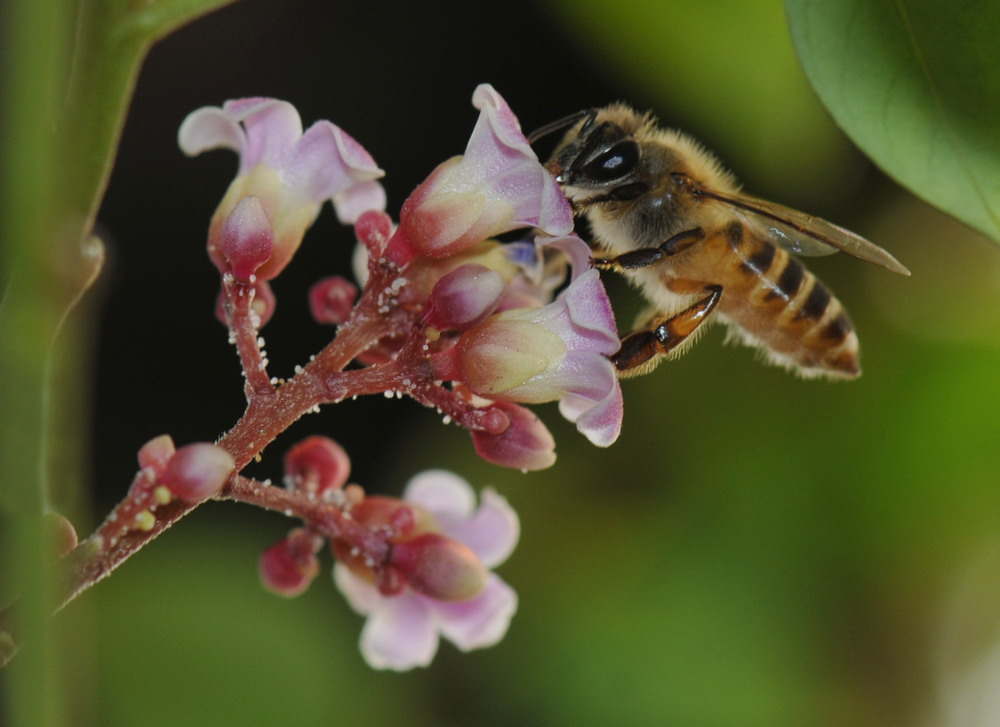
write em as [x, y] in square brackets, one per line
[156, 453]
[198, 471]
[247, 238]
[287, 568]
[316, 465]
[331, 300]
[526, 444]
[439, 567]
[464, 297]
[373, 229]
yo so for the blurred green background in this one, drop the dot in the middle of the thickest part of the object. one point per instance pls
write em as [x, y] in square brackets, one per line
[755, 550]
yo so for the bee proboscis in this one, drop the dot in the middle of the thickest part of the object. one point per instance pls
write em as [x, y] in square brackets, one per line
[665, 213]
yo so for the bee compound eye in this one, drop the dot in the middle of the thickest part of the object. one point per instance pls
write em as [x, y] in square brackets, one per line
[615, 163]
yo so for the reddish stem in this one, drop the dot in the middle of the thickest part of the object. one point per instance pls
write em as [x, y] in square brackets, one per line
[270, 411]
[244, 331]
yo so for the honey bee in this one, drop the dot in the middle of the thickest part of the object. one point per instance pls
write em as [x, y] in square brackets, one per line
[665, 213]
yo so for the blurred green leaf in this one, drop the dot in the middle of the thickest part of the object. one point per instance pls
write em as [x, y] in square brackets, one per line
[726, 71]
[916, 85]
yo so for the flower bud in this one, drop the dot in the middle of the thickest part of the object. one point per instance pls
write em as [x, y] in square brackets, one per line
[247, 238]
[404, 518]
[61, 533]
[156, 453]
[526, 444]
[198, 471]
[287, 568]
[316, 465]
[331, 300]
[373, 230]
[464, 297]
[439, 567]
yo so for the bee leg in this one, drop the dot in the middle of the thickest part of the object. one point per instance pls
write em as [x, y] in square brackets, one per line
[642, 350]
[646, 256]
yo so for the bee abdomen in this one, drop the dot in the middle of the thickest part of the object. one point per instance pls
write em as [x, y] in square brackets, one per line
[790, 314]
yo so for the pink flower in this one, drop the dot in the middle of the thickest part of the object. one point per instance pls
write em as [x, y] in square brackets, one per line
[558, 352]
[403, 629]
[292, 173]
[496, 186]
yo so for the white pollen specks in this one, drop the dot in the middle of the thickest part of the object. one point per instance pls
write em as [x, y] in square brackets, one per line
[447, 419]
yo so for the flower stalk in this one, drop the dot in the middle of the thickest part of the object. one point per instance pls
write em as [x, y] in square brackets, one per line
[444, 314]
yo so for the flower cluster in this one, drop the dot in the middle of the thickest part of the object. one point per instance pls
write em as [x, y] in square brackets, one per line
[416, 566]
[442, 312]
[482, 312]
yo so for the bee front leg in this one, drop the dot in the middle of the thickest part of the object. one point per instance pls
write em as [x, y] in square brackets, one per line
[647, 256]
[641, 351]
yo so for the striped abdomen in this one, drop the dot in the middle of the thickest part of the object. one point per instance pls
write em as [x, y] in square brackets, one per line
[770, 300]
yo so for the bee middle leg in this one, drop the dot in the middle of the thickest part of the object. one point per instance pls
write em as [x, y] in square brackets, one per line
[642, 350]
[644, 257]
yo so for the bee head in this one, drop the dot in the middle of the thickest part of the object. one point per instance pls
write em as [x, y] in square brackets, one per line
[596, 155]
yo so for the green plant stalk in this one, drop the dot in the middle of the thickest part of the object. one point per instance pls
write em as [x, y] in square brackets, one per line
[71, 68]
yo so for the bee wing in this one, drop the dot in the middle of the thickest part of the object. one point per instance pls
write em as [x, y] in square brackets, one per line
[805, 234]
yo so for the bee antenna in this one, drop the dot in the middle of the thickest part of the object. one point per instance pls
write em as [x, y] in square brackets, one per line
[559, 125]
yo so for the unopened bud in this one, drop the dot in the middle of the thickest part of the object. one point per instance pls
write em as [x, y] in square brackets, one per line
[331, 300]
[373, 229]
[526, 444]
[464, 297]
[247, 238]
[287, 568]
[156, 453]
[62, 534]
[439, 567]
[198, 471]
[317, 465]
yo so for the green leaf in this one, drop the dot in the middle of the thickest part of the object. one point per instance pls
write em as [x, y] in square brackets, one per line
[916, 85]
